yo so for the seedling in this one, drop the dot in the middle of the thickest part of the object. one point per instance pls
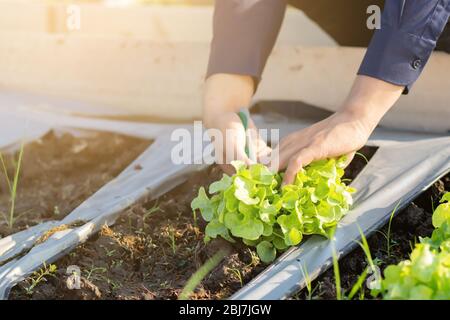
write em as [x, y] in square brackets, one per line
[337, 273]
[94, 273]
[308, 282]
[238, 275]
[39, 277]
[389, 244]
[12, 185]
[109, 253]
[358, 286]
[254, 207]
[151, 211]
[172, 242]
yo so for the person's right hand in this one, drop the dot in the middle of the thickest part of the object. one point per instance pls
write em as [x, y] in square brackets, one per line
[229, 138]
[225, 95]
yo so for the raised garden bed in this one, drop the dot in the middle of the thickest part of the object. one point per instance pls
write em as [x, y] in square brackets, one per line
[152, 251]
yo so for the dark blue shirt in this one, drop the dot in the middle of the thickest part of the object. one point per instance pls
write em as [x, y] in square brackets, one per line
[245, 32]
[400, 49]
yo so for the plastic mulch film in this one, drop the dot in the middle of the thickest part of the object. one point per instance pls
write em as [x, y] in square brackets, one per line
[23, 121]
[396, 174]
[22, 253]
[404, 165]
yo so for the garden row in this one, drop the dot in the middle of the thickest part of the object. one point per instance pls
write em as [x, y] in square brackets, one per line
[156, 247]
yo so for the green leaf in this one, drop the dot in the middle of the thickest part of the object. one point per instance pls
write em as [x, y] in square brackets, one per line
[203, 203]
[261, 174]
[244, 226]
[293, 237]
[288, 222]
[288, 199]
[421, 292]
[244, 191]
[279, 243]
[267, 212]
[221, 185]
[322, 190]
[268, 230]
[231, 203]
[422, 260]
[441, 214]
[215, 228]
[266, 251]
[446, 197]
[239, 166]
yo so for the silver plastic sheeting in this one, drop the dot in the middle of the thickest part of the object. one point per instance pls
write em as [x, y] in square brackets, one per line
[404, 165]
[21, 253]
[24, 118]
[395, 175]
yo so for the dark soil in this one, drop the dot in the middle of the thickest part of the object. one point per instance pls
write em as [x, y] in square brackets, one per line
[407, 226]
[59, 172]
[152, 251]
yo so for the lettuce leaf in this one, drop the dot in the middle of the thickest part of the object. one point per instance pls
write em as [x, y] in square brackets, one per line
[252, 206]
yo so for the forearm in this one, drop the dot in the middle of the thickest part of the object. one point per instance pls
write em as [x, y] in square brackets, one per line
[370, 99]
[225, 93]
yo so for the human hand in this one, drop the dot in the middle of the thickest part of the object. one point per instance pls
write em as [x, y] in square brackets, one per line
[229, 138]
[224, 96]
[343, 133]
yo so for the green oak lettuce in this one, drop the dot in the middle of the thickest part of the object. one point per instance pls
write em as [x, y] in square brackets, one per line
[426, 275]
[252, 206]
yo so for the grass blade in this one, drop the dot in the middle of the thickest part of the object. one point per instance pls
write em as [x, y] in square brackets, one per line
[358, 285]
[337, 274]
[14, 187]
[308, 281]
[389, 229]
[200, 274]
[5, 171]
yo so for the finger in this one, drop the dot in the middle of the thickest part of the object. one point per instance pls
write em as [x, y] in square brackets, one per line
[235, 145]
[274, 160]
[349, 159]
[289, 146]
[258, 145]
[280, 157]
[297, 162]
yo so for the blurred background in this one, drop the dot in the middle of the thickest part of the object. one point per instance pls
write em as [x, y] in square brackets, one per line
[139, 56]
[149, 57]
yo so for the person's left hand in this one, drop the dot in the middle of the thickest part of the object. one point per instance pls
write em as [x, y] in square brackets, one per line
[343, 133]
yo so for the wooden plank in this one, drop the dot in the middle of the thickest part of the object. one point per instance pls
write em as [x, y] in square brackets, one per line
[141, 76]
[159, 23]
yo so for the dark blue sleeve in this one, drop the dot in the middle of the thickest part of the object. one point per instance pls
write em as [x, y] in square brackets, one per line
[400, 49]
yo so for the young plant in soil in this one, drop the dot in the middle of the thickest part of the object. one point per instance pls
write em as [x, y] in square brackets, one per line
[12, 186]
[254, 207]
[40, 276]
